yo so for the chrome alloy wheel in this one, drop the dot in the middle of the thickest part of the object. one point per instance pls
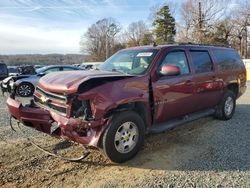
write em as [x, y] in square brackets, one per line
[24, 90]
[126, 137]
[229, 106]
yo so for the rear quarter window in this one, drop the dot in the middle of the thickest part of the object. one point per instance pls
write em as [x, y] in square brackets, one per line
[227, 59]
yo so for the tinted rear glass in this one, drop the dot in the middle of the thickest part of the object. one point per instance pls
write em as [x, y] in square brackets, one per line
[201, 61]
[227, 59]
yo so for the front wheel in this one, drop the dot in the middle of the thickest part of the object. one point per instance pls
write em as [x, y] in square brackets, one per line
[226, 108]
[124, 137]
[25, 89]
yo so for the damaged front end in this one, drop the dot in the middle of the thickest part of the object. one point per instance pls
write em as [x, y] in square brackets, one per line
[59, 115]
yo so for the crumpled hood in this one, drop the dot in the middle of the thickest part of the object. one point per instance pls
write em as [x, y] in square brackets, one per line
[68, 81]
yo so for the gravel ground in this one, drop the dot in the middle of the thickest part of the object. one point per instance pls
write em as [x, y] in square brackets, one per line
[204, 153]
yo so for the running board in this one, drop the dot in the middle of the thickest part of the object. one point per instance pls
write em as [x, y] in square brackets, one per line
[161, 127]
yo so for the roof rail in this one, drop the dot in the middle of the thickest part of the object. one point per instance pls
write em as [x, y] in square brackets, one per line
[196, 44]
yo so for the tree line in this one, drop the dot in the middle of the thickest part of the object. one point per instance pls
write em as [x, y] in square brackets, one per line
[202, 22]
[38, 59]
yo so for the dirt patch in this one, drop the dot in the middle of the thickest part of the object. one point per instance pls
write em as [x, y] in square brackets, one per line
[204, 153]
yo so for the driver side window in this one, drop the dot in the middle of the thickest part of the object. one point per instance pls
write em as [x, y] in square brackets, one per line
[177, 58]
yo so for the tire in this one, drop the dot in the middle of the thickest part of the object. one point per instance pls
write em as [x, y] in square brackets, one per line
[226, 108]
[25, 89]
[124, 136]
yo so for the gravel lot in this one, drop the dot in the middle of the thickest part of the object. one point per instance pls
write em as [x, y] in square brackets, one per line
[204, 153]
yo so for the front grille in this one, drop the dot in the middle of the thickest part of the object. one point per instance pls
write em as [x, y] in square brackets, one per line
[52, 96]
[50, 106]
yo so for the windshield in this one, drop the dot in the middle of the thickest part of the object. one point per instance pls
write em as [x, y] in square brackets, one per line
[41, 70]
[134, 62]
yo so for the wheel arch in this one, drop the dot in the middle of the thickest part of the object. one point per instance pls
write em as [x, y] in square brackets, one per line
[234, 87]
[139, 107]
[24, 82]
[19, 82]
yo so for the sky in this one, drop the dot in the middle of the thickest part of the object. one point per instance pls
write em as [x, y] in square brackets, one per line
[56, 26]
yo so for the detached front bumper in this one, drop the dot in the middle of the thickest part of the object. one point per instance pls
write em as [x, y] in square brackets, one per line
[80, 131]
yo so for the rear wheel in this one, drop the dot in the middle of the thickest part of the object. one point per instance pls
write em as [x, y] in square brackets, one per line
[25, 89]
[124, 137]
[225, 110]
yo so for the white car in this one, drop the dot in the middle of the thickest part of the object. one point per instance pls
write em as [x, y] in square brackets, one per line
[24, 85]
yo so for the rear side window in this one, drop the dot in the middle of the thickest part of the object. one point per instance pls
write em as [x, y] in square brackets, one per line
[227, 59]
[201, 61]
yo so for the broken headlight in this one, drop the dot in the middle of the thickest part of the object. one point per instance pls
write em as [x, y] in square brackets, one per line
[81, 109]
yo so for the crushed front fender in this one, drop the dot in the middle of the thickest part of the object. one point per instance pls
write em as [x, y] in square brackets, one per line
[75, 129]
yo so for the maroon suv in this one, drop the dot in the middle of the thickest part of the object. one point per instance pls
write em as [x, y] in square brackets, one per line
[136, 91]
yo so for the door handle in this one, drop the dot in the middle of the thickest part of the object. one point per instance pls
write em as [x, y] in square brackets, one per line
[215, 78]
[189, 83]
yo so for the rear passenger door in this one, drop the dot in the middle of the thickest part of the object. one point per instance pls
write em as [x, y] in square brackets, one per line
[207, 92]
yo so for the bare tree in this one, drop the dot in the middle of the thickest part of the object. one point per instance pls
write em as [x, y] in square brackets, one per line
[99, 41]
[199, 18]
[136, 34]
[241, 21]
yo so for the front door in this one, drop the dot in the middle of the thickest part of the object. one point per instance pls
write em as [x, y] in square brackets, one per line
[174, 95]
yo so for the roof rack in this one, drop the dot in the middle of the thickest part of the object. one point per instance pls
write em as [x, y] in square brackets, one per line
[190, 43]
[194, 44]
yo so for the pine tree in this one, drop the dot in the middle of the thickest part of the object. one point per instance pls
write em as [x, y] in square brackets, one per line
[164, 24]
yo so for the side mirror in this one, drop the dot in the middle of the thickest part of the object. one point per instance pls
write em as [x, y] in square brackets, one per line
[170, 70]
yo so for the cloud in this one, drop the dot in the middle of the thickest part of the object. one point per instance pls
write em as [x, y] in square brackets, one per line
[48, 26]
[18, 40]
[34, 9]
[56, 26]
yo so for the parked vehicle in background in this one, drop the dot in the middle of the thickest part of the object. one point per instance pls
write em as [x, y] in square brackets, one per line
[90, 65]
[3, 71]
[13, 70]
[23, 71]
[39, 66]
[25, 84]
[5, 85]
[137, 90]
[26, 70]
[76, 65]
